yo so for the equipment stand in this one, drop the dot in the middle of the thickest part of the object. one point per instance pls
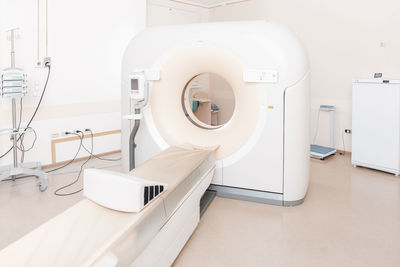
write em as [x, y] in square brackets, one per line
[28, 168]
[321, 152]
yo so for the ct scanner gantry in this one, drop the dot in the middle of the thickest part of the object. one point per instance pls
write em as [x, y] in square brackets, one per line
[263, 150]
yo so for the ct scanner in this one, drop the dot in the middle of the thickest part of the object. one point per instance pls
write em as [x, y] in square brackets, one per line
[263, 150]
[145, 217]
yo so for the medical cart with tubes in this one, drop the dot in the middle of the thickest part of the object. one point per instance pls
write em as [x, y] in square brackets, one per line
[13, 86]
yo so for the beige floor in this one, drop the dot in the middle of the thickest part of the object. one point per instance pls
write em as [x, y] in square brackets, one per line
[351, 217]
[23, 207]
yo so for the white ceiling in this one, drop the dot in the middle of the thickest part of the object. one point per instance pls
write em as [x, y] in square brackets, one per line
[209, 3]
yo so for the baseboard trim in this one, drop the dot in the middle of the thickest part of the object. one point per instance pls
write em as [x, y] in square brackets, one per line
[73, 138]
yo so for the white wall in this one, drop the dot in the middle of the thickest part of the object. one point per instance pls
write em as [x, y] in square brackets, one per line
[86, 43]
[344, 39]
[164, 12]
[249, 10]
[1, 30]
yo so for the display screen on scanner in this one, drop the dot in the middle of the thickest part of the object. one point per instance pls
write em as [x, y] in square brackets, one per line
[134, 84]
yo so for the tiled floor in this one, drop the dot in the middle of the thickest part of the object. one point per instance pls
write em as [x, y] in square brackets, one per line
[351, 217]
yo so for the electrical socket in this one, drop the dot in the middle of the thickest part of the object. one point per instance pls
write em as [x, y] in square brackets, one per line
[69, 132]
[42, 63]
[65, 133]
[348, 131]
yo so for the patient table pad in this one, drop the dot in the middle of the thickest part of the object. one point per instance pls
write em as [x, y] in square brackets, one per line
[87, 231]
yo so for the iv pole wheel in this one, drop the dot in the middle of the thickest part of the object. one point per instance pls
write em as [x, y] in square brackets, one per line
[42, 186]
[43, 183]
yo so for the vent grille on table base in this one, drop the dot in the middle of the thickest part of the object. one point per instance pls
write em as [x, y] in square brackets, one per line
[151, 192]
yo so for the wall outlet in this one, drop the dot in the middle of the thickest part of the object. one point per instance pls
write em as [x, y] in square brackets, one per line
[66, 133]
[348, 131]
[42, 63]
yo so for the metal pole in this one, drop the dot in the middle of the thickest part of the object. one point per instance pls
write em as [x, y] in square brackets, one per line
[14, 136]
[332, 128]
[14, 104]
[12, 36]
[132, 144]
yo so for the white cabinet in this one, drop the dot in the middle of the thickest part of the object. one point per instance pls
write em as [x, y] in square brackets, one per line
[376, 124]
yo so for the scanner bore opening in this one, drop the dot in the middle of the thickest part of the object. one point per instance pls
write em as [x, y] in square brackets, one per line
[208, 101]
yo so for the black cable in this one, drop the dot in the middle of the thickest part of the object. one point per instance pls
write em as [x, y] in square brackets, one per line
[73, 159]
[70, 172]
[87, 150]
[79, 174]
[36, 110]
[22, 146]
[344, 148]
[22, 136]
[76, 154]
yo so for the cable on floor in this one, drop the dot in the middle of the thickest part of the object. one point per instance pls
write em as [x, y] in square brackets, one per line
[344, 148]
[73, 159]
[79, 174]
[75, 156]
[61, 173]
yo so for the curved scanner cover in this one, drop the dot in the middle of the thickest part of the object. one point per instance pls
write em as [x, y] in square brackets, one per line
[194, 147]
[120, 191]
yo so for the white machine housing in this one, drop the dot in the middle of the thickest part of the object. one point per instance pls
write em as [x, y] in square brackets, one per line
[264, 148]
[119, 191]
[376, 124]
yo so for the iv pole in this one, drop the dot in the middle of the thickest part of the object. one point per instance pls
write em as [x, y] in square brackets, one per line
[14, 106]
[28, 168]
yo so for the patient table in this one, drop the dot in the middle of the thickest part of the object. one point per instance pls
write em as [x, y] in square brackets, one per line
[88, 234]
